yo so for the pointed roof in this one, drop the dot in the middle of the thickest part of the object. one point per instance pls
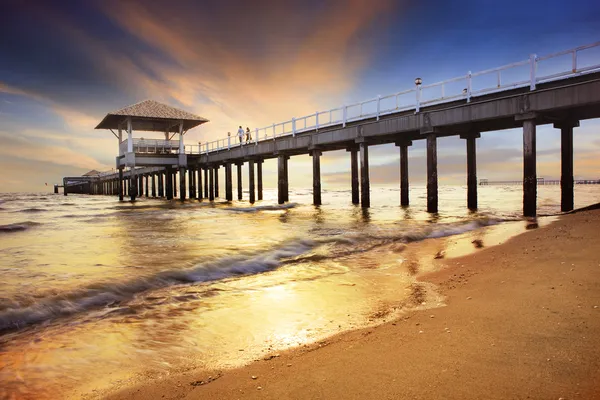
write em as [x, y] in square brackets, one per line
[91, 173]
[150, 115]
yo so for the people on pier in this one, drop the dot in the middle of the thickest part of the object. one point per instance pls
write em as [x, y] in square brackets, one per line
[240, 134]
[248, 135]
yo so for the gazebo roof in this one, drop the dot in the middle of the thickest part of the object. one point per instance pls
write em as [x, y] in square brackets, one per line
[150, 115]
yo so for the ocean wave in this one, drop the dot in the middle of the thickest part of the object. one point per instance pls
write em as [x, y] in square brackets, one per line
[112, 294]
[32, 210]
[19, 226]
[262, 208]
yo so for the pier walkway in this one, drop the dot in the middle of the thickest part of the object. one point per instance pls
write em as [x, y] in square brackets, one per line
[560, 89]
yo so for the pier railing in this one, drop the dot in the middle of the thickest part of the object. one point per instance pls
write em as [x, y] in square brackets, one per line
[529, 72]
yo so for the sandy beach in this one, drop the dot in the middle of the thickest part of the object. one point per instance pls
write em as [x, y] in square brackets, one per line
[521, 321]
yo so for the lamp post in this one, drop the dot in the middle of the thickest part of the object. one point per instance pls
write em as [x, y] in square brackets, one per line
[418, 82]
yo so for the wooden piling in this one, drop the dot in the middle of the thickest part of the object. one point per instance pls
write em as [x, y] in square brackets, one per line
[206, 195]
[404, 185]
[211, 183]
[154, 184]
[529, 168]
[354, 174]
[216, 172]
[471, 138]
[566, 164]
[251, 188]
[259, 179]
[228, 183]
[200, 195]
[316, 158]
[192, 183]
[182, 183]
[365, 186]
[432, 177]
[281, 178]
[169, 184]
[239, 180]
[133, 184]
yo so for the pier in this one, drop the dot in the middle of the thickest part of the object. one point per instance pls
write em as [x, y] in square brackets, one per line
[427, 112]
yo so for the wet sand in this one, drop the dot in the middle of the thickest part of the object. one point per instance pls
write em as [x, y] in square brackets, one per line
[522, 321]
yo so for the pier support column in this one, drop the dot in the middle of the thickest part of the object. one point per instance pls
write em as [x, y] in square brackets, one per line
[365, 186]
[211, 183]
[65, 191]
[239, 180]
[432, 178]
[120, 185]
[404, 185]
[216, 172]
[154, 184]
[169, 184]
[529, 164]
[316, 158]
[192, 183]
[174, 185]
[140, 185]
[566, 163]
[161, 191]
[147, 186]
[471, 168]
[206, 195]
[354, 174]
[200, 195]
[133, 186]
[228, 183]
[127, 186]
[259, 179]
[251, 182]
[182, 183]
[282, 179]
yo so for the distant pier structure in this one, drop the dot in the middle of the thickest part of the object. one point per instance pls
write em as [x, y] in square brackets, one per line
[466, 106]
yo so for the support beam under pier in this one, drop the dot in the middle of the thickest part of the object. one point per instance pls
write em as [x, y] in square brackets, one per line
[206, 195]
[404, 185]
[239, 180]
[147, 186]
[200, 195]
[432, 178]
[211, 183]
[282, 179]
[120, 185]
[228, 183]
[259, 179]
[471, 168]
[566, 164]
[192, 183]
[529, 168]
[316, 158]
[251, 188]
[365, 186]
[169, 184]
[154, 184]
[182, 183]
[216, 172]
[354, 174]
[133, 186]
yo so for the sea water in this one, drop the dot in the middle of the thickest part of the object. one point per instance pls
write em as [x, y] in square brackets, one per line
[98, 293]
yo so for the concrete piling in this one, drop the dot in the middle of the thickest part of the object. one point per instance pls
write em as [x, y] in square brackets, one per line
[529, 168]
[228, 183]
[566, 164]
[432, 178]
[239, 180]
[182, 183]
[404, 185]
[192, 183]
[259, 179]
[211, 183]
[471, 168]
[364, 175]
[282, 179]
[316, 158]
[169, 183]
[200, 195]
[354, 174]
[252, 194]
[216, 172]
[206, 195]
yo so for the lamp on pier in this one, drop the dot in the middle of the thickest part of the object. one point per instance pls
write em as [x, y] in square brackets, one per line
[418, 81]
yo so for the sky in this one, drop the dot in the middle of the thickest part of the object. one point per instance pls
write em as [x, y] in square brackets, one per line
[65, 64]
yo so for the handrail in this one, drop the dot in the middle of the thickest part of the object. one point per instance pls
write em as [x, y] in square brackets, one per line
[377, 107]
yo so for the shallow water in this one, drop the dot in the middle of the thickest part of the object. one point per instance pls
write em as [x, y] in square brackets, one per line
[95, 292]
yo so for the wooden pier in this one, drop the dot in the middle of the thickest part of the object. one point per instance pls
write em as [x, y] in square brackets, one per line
[561, 99]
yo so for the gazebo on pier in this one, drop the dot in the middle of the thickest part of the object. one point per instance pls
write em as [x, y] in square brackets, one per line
[150, 116]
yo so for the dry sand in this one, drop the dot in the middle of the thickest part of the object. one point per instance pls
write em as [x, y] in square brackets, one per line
[522, 322]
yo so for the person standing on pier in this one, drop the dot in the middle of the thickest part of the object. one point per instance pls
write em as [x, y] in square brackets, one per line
[248, 136]
[241, 134]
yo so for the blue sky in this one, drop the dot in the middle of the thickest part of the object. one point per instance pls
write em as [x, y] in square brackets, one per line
[66, 64]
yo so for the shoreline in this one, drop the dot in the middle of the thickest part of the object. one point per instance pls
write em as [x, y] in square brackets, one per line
[508, 360]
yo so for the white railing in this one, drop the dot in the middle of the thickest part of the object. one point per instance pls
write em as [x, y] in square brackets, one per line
[529, 72]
